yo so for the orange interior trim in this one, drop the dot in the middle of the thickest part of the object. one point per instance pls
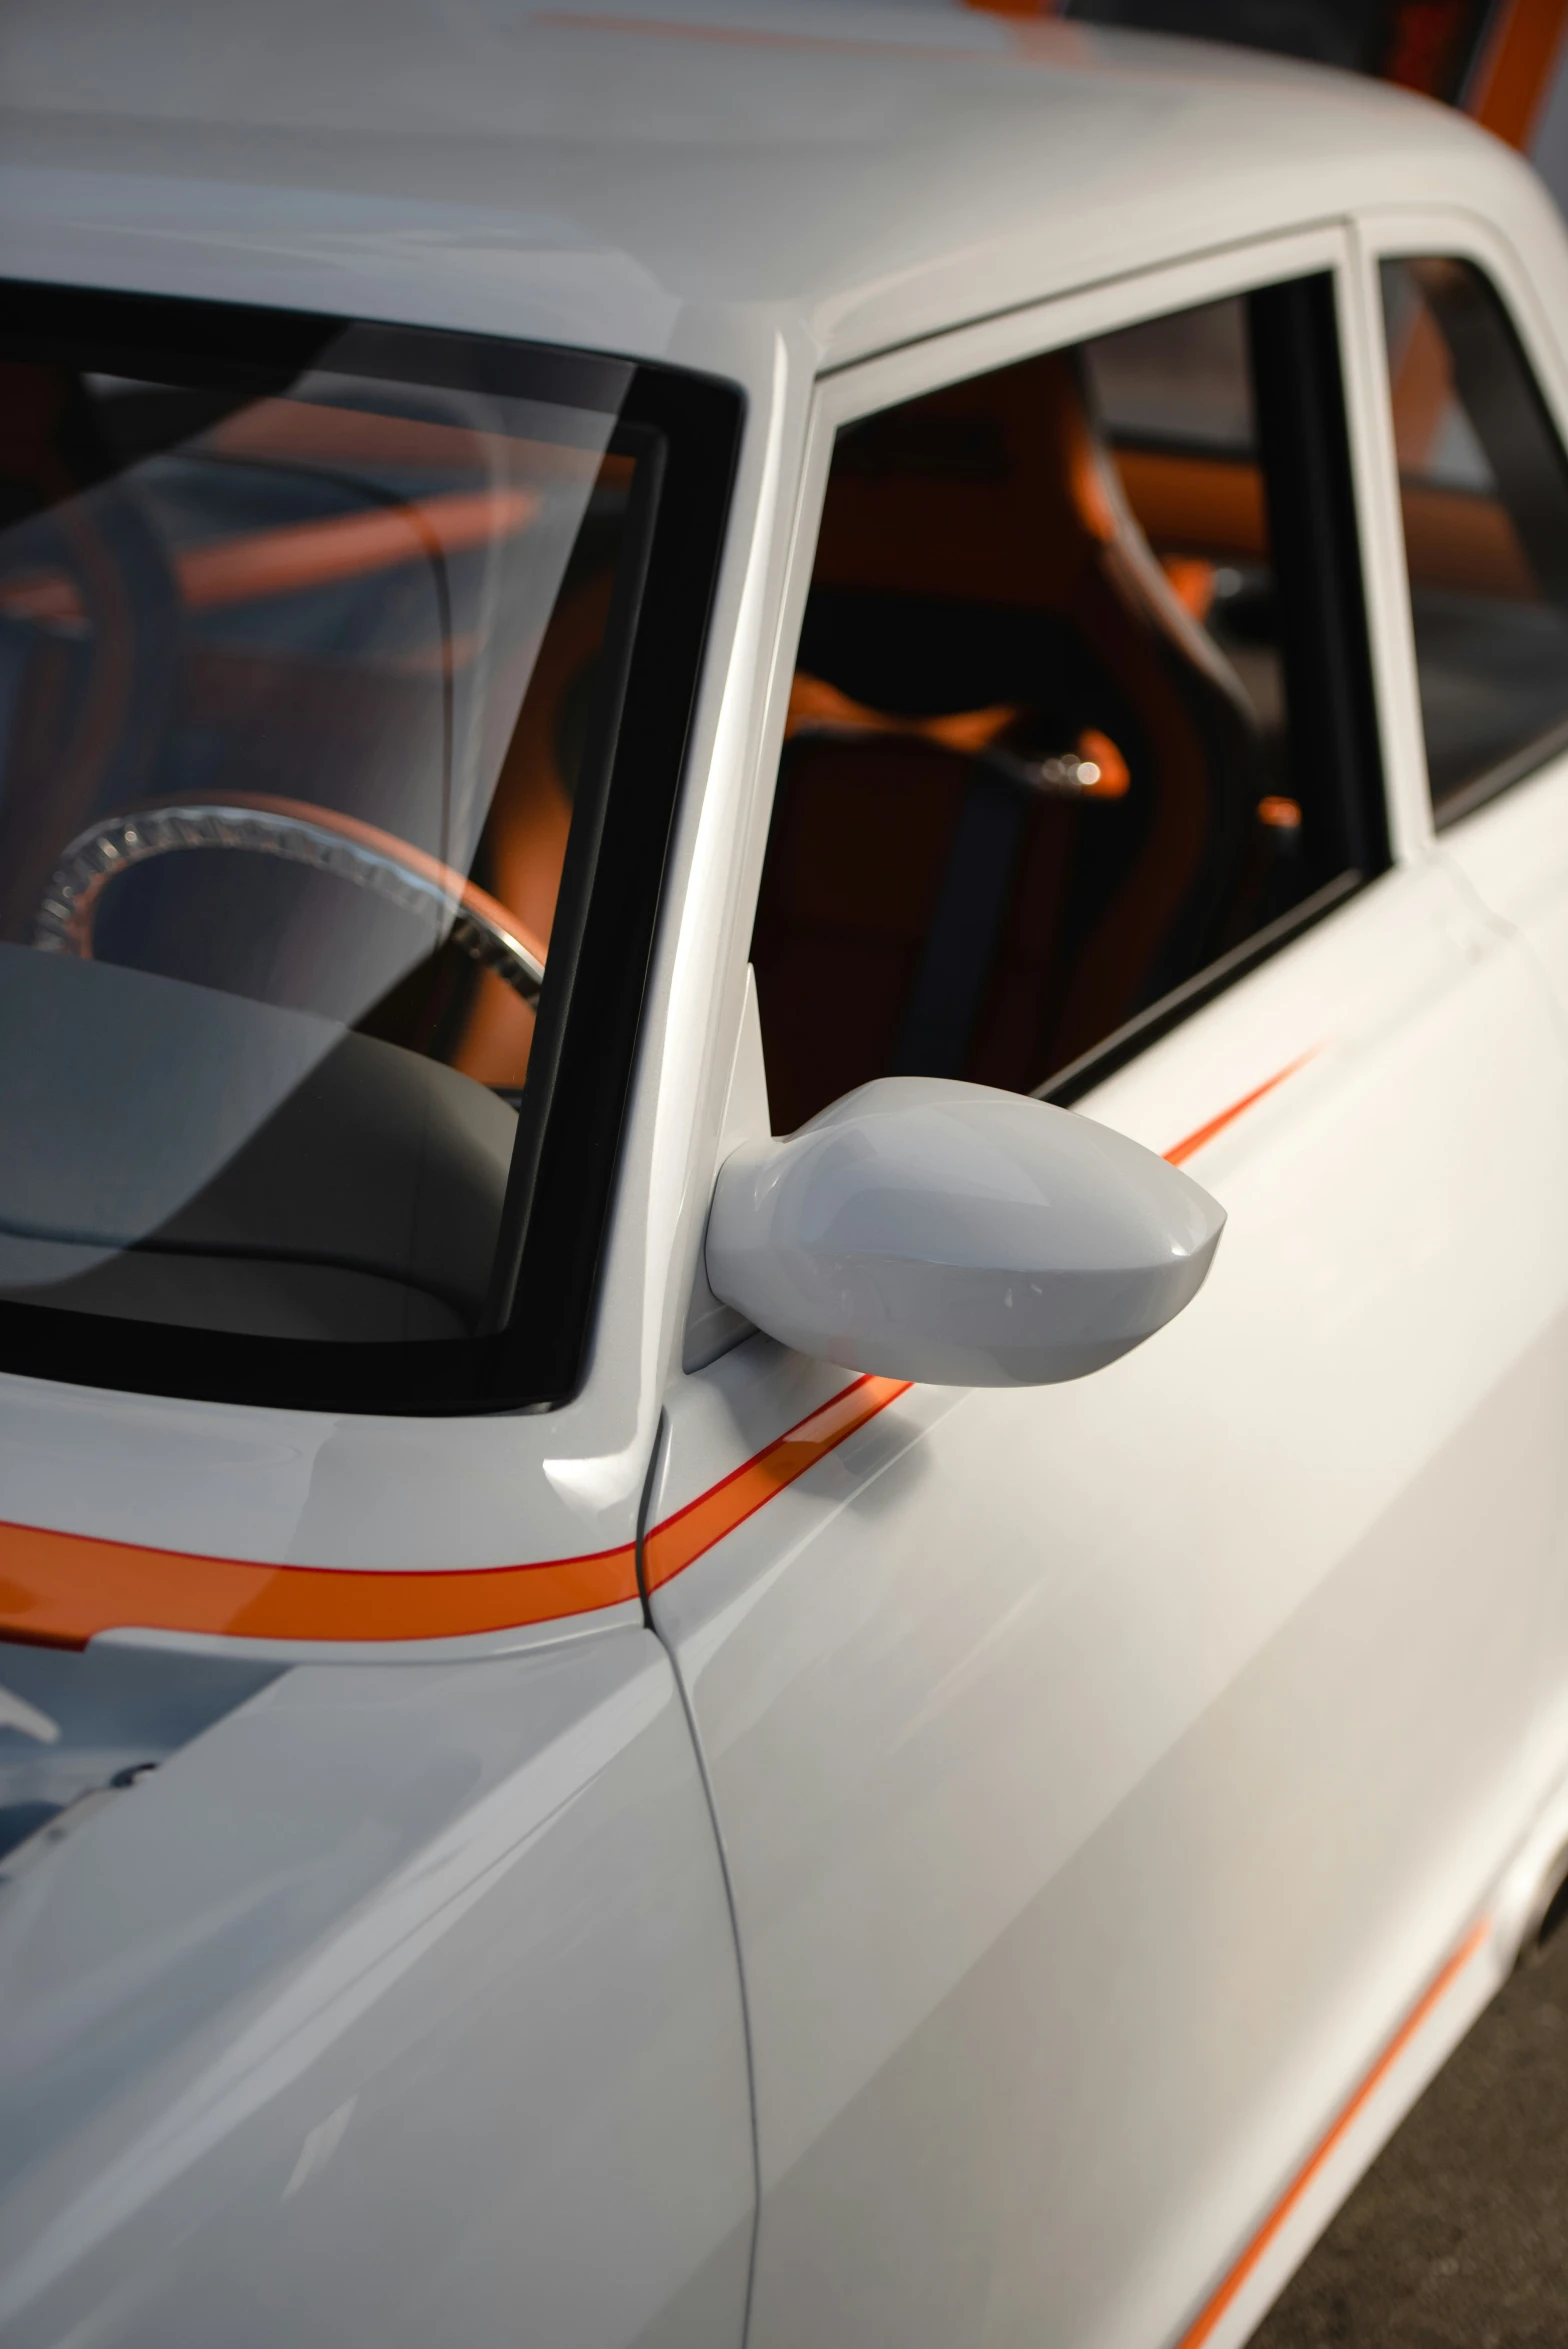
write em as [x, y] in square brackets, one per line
[1192, 582]
[1115, 781]
[303, 554]
[1209, 2316]
[815, 705]
[1190, 1144]
[673, 1545]
[1189, 502]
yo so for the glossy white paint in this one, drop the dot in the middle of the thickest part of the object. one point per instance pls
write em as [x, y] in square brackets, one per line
[1122, 1756]
[638, 179]
[1511, 853]
[934, 1230]
[399, 2007]
[1101, 1772]
[707, 198]
[913, 1618]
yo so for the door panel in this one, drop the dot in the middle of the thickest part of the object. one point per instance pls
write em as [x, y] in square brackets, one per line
[396, 2009]
[1483, 487]
[1103, 1769]
[1514, 854]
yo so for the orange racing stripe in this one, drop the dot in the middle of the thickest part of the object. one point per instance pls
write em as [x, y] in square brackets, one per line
[62, 1588]
[1190, 1144]
[673, 1545]
[1213, 2309]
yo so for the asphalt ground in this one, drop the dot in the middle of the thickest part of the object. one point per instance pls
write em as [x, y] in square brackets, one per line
[1457, 2237]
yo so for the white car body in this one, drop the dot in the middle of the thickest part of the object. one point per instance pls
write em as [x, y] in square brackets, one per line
[1030, 1845]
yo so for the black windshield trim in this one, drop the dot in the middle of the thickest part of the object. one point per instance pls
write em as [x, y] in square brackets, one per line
[610, 894]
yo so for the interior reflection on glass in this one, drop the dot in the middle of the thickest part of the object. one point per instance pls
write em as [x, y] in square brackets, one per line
[297, 691]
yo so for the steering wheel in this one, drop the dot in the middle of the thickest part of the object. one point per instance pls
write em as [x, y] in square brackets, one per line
[301, 834]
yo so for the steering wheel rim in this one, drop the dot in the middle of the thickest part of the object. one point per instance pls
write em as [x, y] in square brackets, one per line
[298, 832]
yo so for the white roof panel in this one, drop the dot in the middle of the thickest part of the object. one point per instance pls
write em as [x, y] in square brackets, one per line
[644, 178]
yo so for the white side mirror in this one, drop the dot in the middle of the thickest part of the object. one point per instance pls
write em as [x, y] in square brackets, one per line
[933, 1230]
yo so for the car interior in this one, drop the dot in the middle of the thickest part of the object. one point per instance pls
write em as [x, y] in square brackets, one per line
[1038, 771]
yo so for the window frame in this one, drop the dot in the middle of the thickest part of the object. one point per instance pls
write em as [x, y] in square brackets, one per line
[1440, 232]
[562, 1178]
[865, 388]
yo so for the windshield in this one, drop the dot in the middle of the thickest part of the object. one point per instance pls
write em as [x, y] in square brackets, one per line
[312, 664]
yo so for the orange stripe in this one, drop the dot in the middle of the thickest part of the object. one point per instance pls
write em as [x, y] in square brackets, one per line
[673, 1545]
[63, 1588]
[1190, 1144]
[1200, 2331]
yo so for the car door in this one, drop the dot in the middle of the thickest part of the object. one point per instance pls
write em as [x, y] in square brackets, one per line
[1109, 1772]
[1475, 417]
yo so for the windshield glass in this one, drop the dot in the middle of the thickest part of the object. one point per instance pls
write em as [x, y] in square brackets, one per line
[309, 673]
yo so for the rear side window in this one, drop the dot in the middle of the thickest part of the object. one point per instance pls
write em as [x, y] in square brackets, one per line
[325, 894]
[1081, 719]
[1484, 496]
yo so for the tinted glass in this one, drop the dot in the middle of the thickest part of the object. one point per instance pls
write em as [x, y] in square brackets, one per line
[298, 692]
[1080, 713]
[1175, 402]
[1484, 494]
[345, 675]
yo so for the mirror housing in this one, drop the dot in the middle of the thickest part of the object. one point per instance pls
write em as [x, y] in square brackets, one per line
[927, 1229]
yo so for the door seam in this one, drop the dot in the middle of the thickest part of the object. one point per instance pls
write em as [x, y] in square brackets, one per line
[655, 1469]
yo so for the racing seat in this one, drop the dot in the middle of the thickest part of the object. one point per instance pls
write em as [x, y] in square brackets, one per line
[927, 907]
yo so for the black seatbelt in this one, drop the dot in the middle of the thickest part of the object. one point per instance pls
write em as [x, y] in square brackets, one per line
[944, 1003]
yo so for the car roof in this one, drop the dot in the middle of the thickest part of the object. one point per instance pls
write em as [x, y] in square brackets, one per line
[642, 176]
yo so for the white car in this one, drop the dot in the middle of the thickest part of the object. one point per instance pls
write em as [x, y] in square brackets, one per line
[616, 1730]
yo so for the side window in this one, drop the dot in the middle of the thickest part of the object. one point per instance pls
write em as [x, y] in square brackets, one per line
[1484, 494]
[1080, 722]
